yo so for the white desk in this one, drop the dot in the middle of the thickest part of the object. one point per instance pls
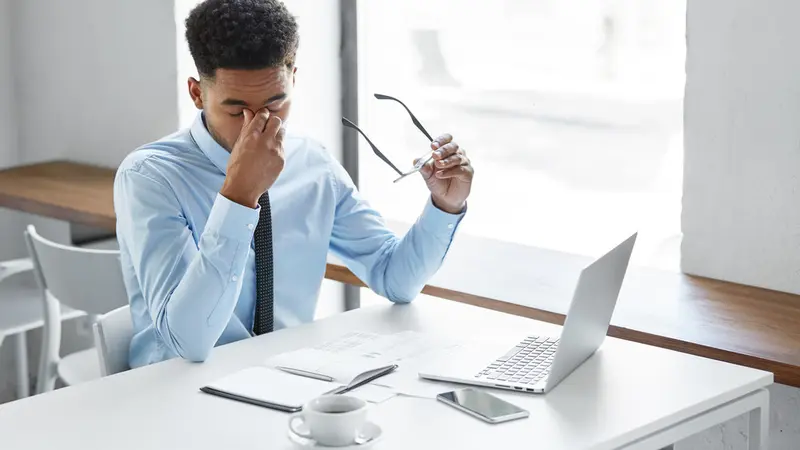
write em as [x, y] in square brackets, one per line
[627, 395]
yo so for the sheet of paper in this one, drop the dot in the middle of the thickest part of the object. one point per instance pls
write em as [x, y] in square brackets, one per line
[356, 352]
[407, 381]
[348, 341]
[414, 386]
[341, 367]
[373, 393]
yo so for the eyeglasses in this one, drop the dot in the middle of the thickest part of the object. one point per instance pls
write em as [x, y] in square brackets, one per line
[424, 159]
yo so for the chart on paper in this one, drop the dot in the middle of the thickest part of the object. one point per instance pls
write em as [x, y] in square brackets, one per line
[356, 352]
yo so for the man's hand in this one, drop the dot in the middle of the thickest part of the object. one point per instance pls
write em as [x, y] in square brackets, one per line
[448, 175]
[256, 159]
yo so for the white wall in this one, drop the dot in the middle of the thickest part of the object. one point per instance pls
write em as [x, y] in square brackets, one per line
[95, 77]
[9, 152]
[9, 222]
[741, 206]
[8, 124]
[316, 110]
[87, 80]
[741, 201]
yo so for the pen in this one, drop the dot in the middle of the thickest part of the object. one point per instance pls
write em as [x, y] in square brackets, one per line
[305, 373]
[364, 378]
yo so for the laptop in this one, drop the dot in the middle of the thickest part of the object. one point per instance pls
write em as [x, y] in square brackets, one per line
[538, 363]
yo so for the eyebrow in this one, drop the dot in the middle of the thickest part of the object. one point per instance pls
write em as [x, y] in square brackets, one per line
[237, 102]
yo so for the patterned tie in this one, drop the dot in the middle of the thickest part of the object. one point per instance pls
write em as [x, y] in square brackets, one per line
[263, 320]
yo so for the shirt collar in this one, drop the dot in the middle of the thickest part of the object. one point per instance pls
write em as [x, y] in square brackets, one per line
[213, 151]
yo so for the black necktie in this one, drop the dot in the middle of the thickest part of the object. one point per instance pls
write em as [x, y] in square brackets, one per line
[263, 320]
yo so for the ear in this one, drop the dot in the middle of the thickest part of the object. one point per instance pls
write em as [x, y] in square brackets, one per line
[196, 92]
[294, 75]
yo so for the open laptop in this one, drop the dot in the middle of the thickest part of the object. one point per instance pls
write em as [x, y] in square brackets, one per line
[538, 363]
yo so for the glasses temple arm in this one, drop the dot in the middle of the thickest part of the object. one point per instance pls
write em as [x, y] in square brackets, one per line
[350, 124]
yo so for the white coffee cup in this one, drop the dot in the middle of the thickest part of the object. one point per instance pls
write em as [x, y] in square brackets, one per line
[332, 420]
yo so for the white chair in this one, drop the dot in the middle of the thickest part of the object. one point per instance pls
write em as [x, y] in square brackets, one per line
[88, 280]
[112, 339]
[20, 312]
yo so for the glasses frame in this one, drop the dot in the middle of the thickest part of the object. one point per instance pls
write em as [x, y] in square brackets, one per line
[420, 161]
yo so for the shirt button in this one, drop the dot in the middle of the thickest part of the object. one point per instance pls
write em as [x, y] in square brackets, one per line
[250, 226]
[450, 226]
[234, 278]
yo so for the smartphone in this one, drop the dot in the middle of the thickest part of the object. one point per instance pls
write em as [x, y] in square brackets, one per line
[482, 405]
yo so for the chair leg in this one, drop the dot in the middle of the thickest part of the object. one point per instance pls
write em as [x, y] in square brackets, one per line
[51, 346]
[47, 381]
[21, 356]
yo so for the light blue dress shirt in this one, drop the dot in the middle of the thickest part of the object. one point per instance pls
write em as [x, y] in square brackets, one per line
[187, 252]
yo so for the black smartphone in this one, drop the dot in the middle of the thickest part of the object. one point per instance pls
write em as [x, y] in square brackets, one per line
[482, 405]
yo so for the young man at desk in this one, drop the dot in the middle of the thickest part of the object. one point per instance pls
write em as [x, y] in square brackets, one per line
[225, 228]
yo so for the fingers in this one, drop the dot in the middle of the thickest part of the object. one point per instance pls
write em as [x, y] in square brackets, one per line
[441, 140]
[452, 161]
[446, 155]
[426, 170]
[258, 123]
[445, 151]
[280, 135]
[274, 133]
[248, 116]
[463, 173]
[273, 125]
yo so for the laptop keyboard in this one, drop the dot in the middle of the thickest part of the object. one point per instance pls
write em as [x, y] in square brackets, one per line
[527, 363]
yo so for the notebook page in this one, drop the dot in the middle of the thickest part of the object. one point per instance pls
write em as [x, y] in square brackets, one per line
[274, 386]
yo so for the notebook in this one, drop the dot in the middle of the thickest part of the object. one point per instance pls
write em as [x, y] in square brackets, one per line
[270, 388]
[340, 360]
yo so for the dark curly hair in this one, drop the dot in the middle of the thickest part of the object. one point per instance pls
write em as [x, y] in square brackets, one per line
[241, 34]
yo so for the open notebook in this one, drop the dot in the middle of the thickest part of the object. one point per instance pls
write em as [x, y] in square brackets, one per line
[270, 388]
[342, 360]
[352, 354]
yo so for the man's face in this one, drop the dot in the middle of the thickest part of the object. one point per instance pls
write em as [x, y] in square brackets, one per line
[224, 98]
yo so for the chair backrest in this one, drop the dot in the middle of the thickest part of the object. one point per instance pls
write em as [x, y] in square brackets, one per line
[112, 339]
[85, 279]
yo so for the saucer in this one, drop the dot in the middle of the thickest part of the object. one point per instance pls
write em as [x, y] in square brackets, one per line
[370, 434]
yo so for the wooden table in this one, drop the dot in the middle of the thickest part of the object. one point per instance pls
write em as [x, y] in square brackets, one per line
[76, 193]
[607, 403]
[716, 319]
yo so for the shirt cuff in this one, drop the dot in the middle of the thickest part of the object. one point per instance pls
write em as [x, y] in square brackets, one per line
[232, 220]
[439, 223]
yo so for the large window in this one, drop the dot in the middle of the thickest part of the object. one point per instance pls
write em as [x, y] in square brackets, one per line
[570, 110]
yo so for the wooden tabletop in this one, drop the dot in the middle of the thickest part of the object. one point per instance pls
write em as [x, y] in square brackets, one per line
[716, 319]
[73, 192]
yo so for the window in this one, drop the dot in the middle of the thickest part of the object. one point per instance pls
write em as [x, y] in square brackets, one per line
[571, 112]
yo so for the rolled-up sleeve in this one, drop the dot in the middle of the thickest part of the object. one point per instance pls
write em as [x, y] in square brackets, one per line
[190, 288]
[394, 267]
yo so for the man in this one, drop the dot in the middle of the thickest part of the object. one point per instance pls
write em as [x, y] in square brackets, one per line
[224, 228]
